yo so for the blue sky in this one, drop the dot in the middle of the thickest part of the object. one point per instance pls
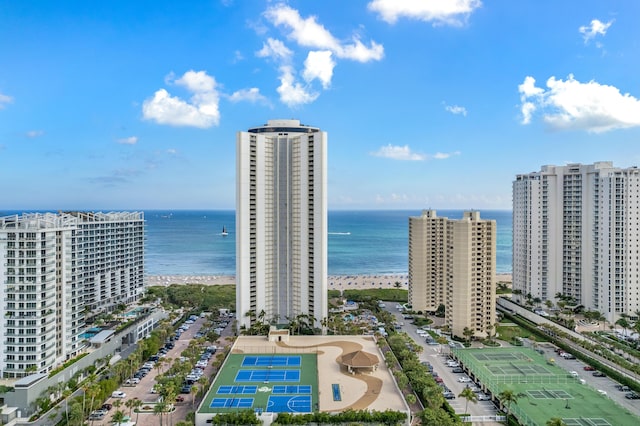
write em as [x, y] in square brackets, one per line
[428, 104]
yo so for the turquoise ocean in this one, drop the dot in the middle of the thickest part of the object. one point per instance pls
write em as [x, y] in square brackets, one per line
[372, 242]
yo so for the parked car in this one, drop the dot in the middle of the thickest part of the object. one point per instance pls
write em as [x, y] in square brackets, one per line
[133, 381]
[457, 370]
[483, 397]
[588, 368]
[96, 415]
[449, 395]
[632, 395]
[464, 379]
[185, 389]
[179, 398]
[599, 374]
[106, 407]
[118, 394]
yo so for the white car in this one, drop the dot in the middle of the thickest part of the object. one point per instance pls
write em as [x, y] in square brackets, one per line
[133, 381]
[464, 379]
[118, 394]
[483, 397]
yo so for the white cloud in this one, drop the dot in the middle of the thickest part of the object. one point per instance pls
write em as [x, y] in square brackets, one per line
[451, 12]
[34, 133]
[131, 140]
[172, 151]
[319, 65]
[395, 152]
[4, 100]
[456, 109]
[291, 92]
[596, 27]
[572, 105]
[200, 111]
[445, 155]
[250, 95]
[309, 33]
[274, 49]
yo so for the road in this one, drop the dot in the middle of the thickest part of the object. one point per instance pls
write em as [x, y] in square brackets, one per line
[437, 357]
[142, 391]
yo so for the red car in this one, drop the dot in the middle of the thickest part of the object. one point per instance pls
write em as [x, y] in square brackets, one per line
[438, 379]
[589, 368]
[180, 398]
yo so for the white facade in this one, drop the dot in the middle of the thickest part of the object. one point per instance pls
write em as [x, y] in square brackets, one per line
[575, 232]
[281, 222]
[48, 279]
[453, 263]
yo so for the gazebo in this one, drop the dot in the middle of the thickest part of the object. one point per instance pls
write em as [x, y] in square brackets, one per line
[360, 359]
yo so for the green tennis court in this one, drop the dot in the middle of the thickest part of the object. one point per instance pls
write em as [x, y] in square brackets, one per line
[274, 383]
[544, 390]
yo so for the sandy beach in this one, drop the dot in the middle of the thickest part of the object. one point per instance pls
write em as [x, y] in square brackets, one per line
[334, 282]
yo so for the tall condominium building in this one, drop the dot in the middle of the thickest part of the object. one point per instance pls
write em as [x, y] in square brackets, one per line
[281, 223]
[56, 268]
[576, 233]
[452, 263]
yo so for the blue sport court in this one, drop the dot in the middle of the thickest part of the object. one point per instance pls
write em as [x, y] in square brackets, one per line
[237, 389]
[292, 389]
[232, 403]
[268, 376]
[272, 361]
[289, 404]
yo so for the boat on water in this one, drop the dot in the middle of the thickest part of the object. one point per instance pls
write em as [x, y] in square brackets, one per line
[224, 231]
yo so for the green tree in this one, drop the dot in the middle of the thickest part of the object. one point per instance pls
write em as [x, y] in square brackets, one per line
[118, 417]
[508, 397]
[468, 334]
[556, 421]
[470, 396]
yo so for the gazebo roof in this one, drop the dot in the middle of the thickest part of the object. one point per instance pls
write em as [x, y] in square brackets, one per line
[360, 359]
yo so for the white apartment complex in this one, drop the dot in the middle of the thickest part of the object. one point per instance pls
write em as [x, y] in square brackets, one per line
[54, 268]
[281, 222]
[452, 263]
[576, 233]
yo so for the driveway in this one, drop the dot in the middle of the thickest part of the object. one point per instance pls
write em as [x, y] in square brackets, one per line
[142, 391]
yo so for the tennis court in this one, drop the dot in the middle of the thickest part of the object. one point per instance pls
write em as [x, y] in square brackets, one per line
[292, 389]
[281, 386]
[268, 376]
[231, 403]
[543, 389]
[237, 389]
[271, 361]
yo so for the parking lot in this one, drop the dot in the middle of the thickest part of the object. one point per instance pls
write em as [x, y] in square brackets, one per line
[143, 389]
[437, 356]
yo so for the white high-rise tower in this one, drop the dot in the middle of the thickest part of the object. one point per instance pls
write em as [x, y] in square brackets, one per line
[281, 223]
[575, 232]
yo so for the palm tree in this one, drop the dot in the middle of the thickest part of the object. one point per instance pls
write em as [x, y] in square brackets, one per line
[508, 397]
[622, 322]
[130, 404]
[470, 396]
[556, 421]
[136, 405]
[194, 391]
[468, 333]
[159, 409]
[118, 417]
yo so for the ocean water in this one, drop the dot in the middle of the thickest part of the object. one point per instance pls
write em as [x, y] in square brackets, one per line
[369, 242]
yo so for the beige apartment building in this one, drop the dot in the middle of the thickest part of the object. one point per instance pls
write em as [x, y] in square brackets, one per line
[452, 263]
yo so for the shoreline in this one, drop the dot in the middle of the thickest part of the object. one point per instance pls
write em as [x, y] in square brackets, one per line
[334, 282]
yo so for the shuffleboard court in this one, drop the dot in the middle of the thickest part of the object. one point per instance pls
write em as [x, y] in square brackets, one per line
[268, 376]
[272, 361]
[289, 404]
[237, 389]
[584, 421]
[232, 403]
[292, 389]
